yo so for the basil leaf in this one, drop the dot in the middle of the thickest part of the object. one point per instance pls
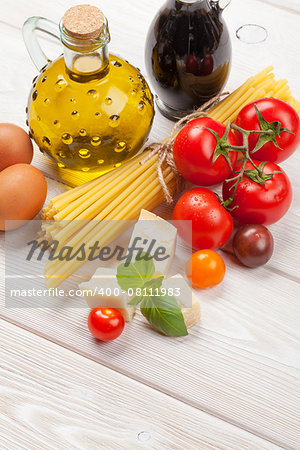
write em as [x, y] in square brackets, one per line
[134, 275]
[129, 277]
[155, 283]
[145, 265]
[136, 300]
[164, 314]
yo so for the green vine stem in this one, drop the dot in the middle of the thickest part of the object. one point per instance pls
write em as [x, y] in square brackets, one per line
[268, 132]
[256, 174]
[240, 174]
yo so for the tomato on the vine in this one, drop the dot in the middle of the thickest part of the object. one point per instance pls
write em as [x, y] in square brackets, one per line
[275, 115]
[200, 155]
[106, 324]
[211, 224]
[257, 203]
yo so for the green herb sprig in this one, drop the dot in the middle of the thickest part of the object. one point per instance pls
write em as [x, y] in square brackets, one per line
[161, 311]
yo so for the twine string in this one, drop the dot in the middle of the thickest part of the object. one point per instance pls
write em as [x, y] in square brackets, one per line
[164, 149]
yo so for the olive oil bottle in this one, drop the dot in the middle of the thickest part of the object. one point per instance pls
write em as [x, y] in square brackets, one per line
[88, 110]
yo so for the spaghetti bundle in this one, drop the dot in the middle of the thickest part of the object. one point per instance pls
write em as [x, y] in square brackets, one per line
[259, 86]
[101, 210]
[98, 210]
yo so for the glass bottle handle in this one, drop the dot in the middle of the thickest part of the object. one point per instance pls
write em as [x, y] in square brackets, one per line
[35, 51]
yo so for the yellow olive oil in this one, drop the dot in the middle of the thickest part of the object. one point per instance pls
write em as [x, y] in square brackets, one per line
[94, 125]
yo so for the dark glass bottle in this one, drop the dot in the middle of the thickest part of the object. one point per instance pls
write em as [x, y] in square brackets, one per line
[188, 55]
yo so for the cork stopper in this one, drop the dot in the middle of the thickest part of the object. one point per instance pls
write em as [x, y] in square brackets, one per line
[84, 21]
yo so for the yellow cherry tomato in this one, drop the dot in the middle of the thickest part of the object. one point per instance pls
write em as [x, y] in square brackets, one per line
[205, 269]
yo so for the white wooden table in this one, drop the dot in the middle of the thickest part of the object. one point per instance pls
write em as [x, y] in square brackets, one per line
[234, 382]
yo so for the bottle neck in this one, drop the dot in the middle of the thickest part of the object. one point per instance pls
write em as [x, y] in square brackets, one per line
[86, 59]
[192, 5]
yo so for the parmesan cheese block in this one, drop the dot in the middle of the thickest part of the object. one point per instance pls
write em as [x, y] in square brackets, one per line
[186, 299]
[103, 290]
[151, 235]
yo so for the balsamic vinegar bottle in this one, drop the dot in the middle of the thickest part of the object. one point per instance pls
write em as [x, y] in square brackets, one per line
[188, 55]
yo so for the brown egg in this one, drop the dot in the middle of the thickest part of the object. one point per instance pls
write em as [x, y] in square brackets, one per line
[15, 146]
[23, 191]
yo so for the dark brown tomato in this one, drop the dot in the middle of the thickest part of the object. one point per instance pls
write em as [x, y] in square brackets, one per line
[253, 245]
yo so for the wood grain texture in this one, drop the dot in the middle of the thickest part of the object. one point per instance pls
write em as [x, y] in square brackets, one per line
[280, 49]
[289, 5]
[52, 398]
[242, 363]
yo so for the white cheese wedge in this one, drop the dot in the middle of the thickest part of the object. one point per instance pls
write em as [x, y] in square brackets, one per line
[151, 233]
[186, 299]
[103, 290]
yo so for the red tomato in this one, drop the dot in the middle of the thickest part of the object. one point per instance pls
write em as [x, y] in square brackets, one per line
[212, 225]
[106, 324]
[194, 149]
[260, 204]
[272, 110]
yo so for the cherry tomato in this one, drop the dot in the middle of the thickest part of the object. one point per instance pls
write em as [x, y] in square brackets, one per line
[106, 324]
[211, 224]
[193, 151]
[205, 269]
[260, 204]
[253, 245]
[273, 110]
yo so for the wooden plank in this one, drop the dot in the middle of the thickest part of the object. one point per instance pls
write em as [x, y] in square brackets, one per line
[289, 5]
[241, 364]
[247, 60]
[52, 398]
